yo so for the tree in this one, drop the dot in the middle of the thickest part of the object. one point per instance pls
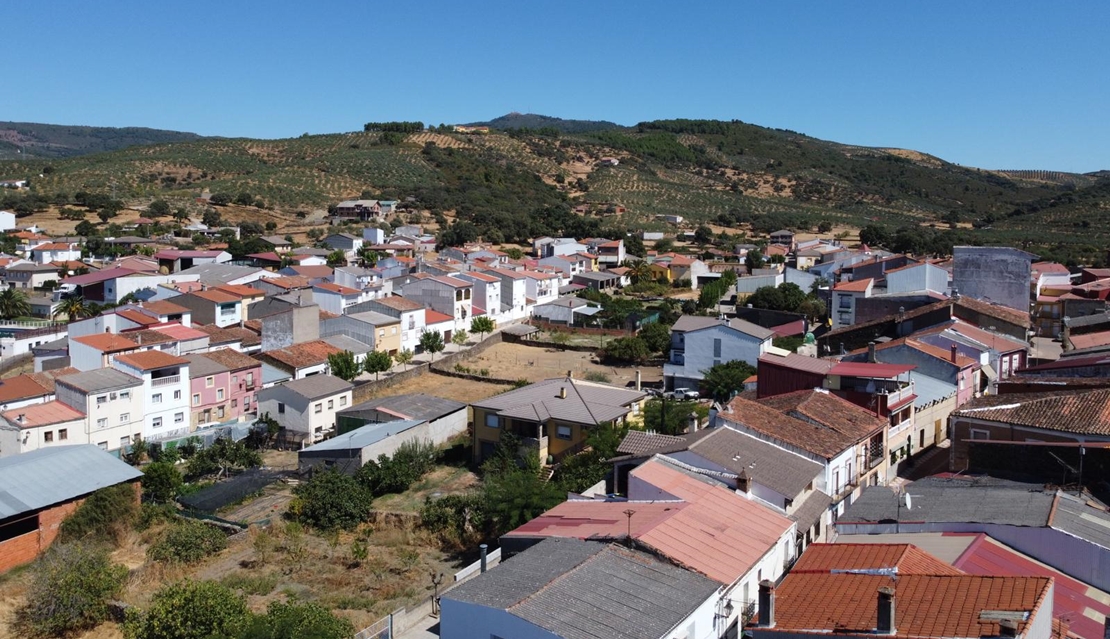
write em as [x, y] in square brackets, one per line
[331, 500]
[368, 256]
[180, 214]
[158, 208]
[343, 365]
[481, 325]
[244, 199]
[458, 338]
[677, 415]
[404, 357]
[792, 296]
[753, 260]
[220, 199]
[337, 258]
[138, 452]
[294, 620]
[626, 350]
[189, 610]
[14, 303]
[431, 342]
[640, 271]
[519, 496]
[211, 218]
[812, 308]
[222, 456]
[161, 482]
[377, 362]
[872, 235]
[726, 378]
[72, 309]
[634, 245]
[703, 235]
[656, 336]
[70, 588]
[188, 541]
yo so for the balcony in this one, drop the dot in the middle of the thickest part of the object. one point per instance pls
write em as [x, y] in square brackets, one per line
[874, 454]
[896, 396]
[165, 381]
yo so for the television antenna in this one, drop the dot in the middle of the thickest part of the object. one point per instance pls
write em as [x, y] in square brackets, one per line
[904, 500]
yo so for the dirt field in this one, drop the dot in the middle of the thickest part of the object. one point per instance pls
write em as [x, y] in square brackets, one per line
[509, 361]
[462, 390]
[445, 480]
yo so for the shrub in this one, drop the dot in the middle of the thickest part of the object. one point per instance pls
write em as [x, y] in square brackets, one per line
[626, 350]
[458, 518]
[161, 482]
[656, 336]
[188, 541]
[190, 610]
[102, 515]
[597, 376]
[296, 621]
[331, 500]
[411, 461]
[251, 584]
[70, 589]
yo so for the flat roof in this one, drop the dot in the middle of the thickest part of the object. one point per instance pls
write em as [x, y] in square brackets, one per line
[34, 480]
[360, 438]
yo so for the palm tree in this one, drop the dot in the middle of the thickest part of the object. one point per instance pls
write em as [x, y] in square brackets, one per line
[73, 309]
[640, 272]
[13, 303]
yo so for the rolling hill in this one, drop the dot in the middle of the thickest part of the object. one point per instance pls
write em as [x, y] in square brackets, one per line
[512, 184]
[533, 121]
[30, 140]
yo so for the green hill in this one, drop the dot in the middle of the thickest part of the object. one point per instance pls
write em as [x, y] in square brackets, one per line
[533, 121]
[58, 141]
[510, 185]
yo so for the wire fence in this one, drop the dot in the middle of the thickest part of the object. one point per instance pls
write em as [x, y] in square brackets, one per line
[232, 491]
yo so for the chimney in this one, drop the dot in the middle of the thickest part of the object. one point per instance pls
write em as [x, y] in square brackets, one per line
[21, 417]
[742, 483]
[953, 356]
[766, 604]
[570, 374]
[885, 621]
[638, 379]
[871, 352]
[693, 422]
[1007, 628]
[562, 392]
[482, 548]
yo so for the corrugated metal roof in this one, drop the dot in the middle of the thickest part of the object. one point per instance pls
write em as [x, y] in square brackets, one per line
[585, 402]
[316, 386]
[870, 369]
[930, 389]
[48, 476]
[410, 405]
[362, 437]
[957, 500]
[272, 374]
[102, 379]
[1076, 518]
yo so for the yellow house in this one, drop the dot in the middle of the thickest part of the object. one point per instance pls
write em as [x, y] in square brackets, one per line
[552, 417]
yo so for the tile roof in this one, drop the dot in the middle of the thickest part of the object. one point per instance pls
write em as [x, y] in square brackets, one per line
[99, 380]
[303, 355]
[874, 370]
[631, 593]
[336, 288]
[927, 605]
[241, 290]
[289, 282]
[52, 412]
[216, 295]
[164, 307]
[106, 342]
[314, 272]
[151, 360]
[148, 337]
[137, 317]
[1086, 413]
[399, 303]
[233, 360]
[179, 332]
[802, 433]
[834, 413]
[585, 402]
[407, 406]
[34, 480]
[855, 286]
[202, 366]
[639, 442]
[936, 352]
[435, 317]
[1004, 313]
[217, 335]
[909, 559]
[798, 362]
[21, 387]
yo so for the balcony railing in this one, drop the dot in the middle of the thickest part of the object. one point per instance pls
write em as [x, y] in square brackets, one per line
[165, 381]
[893, 397]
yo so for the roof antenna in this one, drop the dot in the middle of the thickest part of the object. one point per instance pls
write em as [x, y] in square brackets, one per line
[628, 513]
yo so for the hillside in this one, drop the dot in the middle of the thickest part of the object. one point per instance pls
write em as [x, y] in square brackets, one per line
[533, 121]
[59, 141]
[510, 185]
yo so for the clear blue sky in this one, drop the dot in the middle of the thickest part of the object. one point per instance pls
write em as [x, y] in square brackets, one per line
[1019, 84]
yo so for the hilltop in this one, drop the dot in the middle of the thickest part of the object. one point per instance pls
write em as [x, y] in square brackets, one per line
[516, 120]
[59, 141]
[527, 180]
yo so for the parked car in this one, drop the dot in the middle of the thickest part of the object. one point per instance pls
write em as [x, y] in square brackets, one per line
[683, 393]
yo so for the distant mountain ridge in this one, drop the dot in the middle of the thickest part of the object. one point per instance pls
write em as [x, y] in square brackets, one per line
[516, 120]
[25, 140]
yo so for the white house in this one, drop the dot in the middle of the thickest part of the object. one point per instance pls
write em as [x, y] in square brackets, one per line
[165, 391]
[700, 343]
[56, 252]
[443, 293]
[336, 299]
[916, 278]
[844, 296]
[40, 426]
[409, 313]
[7, 221]
[111, 400]
[487, 293]
[540, 287]
[306, 408]
[514, 293]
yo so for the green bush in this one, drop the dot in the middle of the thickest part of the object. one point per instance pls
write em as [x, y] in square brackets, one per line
[70, 589]
[458, 518]
[625, 350]
[331, 500]
[411, 461]
[103, 515]
[597, 376]
[298, 621]
[190, 610]
[187, 542]
[161, 482]
[251, 584]
[656, 336]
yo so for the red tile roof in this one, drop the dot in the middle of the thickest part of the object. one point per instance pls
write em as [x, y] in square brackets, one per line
[775, 419]
[909, 559]
[399, 303]
[336, 288]
[435, 317]
[962, 361]
[151, 360]
[216, 296]
[289, 282]
[851, 421]
[926, 605]
[233, 360]
[1086, 413]
[315, 272]
[106, 342]
[21, 387]
[302, 355]
[54, 246]
[242, 290]
[140, 318]
[1087, 340]
[164, 307]
[855, 286]
[52, 412]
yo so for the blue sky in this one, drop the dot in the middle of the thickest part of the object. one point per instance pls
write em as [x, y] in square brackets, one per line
[989, 84]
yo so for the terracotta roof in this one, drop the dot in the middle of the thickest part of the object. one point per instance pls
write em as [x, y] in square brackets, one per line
[962, 361]
[242, 290]
[151, 360]
[179, 332]
[164, 307]
[107, 342]
[399, 303]
[54, 246]
[638, 442]
[995, 310]
[909, 559]
[777, 424]
[233, 360]
[46, 378]
[1088, 340]
[835, 413]
[138, 317]
[52, 412]
[873, 370]
[302, 355]
[1086, 412]
[435, 317]
[315, 272]
[268, 256]
[148, 336]
[217, 335]
[798, 362]
[217, 296]
[289, 282]
[855, 286]
[21, 387]
[336, 288]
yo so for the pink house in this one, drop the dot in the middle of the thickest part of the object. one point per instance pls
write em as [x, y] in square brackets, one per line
[222, 387]
[245, 381]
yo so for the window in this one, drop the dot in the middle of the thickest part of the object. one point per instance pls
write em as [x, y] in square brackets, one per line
[234, 403]
[343, 400]
[492, 421]
[125, 441]
[63, 434]
[845, 301]
[177, 394]
[124, 418]
[103, 399]
[234, 380]
[125, 394]
[281, 408]
[102, 422]
[48, 436]
[112, 396]
[331, 404]
[962, 381]
[562, 432]
[219, 412]
[980, 434]
[156, 423]
[717, 348]
[156, 399]
[209, 381]
[392, 330]
[219, 394]
[196, 399]
[180, 417]
[319, 408]
[102, 445]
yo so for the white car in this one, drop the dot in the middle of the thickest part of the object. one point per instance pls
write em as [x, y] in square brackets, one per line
[683, 393]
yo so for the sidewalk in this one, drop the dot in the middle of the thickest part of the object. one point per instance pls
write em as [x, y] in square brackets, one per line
[428, 628]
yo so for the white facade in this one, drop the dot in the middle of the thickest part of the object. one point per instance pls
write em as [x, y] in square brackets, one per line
[487, 293]
[7, 221]
[695, 351]
[16, 439]
[165, 398]
[446, 298]
[312, 418]
[46, 256]
[514, 295]
[541, 287]
[916, 278]
[113, 418]
[22, 341]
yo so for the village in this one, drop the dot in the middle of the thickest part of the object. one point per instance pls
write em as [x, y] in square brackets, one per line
[661, 434]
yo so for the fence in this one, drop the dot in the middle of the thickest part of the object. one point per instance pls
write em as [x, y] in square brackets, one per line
[382, 628]
[492, 559]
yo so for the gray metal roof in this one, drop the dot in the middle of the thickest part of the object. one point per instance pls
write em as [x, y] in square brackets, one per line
[1087, 320]
[100, 380]
[590, 590]
[375, 318]
[811, 510]
[520, 329]
[929, 389]
[585, 402]
[958, 500]
[220, 273]
[273, 374]
[781, 471]
[1076, 518]
[317, 386]
[344, 343]
[407, 406]
[360, 438]
[688, 323]
[48, 476]
[201, 366]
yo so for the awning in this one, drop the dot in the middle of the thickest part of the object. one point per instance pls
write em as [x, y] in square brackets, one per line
[989, 372]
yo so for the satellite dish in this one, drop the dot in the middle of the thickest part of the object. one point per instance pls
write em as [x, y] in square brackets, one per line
[909, 502]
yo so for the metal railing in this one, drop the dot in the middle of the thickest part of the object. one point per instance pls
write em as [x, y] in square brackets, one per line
[165, 381]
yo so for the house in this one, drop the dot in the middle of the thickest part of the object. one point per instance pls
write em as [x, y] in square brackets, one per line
[1052, 527]
[210, 386]
[304, 359]
[348, 452]
[847, 441]
[283, 285]
[357, 277]
[673, 267]
[240, 339]
[567, 311]
[609, 252]
[699, 343]
[629, 594]
[999, 355]
[175, 261]
[363, 210]
[28, 275]
[349, 244]
[949, 365]
[56, 252]
[43, 487]
[40, 426]
[444, 418]
[336, 299]
[278, 243]
[486, 298]
[514, 293]
[24, 390]
[165, 391]
[373, 330]
[845, 296]
[166, 311]
[373, 235]
[219, 274]
[90, 352]
[410, 315]
[784, 237]
[691, 520]
[213, 306]
[552, 417]
[598, 281]
[445, 294]
[306, 407]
